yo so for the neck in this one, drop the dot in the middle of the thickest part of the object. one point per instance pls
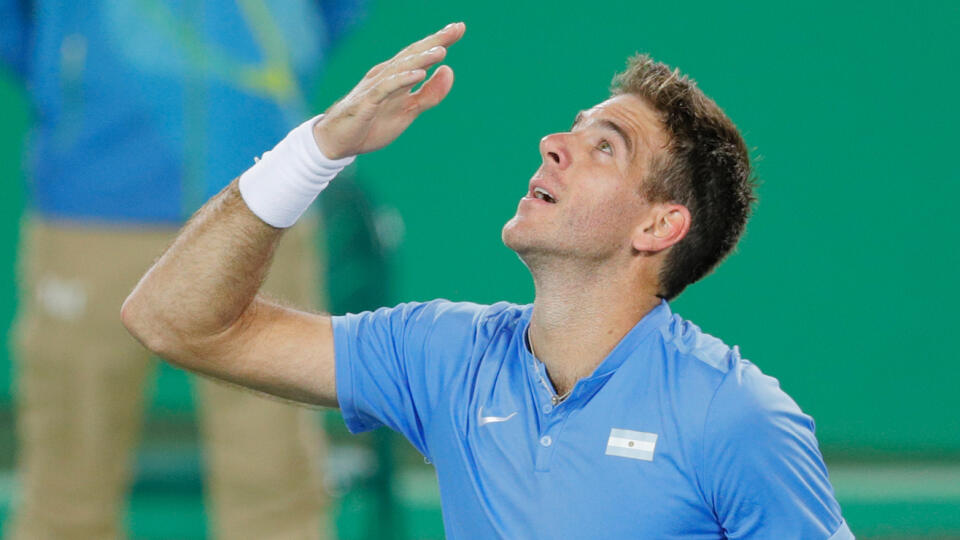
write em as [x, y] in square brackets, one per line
[579, 316]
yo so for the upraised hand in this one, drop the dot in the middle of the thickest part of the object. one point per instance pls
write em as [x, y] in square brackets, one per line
[381, 106]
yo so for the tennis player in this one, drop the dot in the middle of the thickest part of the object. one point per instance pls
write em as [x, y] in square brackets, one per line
[595, 412]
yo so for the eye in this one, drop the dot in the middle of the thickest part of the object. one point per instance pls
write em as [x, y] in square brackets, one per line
[605, 147]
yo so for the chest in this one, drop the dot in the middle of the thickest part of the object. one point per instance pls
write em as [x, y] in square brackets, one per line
[612, 461]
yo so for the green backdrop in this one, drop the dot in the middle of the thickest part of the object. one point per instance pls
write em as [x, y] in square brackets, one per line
[844, 287]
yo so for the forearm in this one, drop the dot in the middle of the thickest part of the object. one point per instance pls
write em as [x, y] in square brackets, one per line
[205, 281]
[198, 305]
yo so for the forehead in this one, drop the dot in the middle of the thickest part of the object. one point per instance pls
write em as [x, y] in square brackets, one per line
[635, 116]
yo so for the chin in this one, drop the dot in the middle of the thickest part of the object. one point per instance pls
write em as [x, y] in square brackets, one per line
[512, 235]
[529, 248]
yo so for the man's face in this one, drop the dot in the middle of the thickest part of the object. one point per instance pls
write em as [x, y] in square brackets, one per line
[584, 201]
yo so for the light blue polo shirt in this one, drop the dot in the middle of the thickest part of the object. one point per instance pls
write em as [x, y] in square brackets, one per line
[673, 436]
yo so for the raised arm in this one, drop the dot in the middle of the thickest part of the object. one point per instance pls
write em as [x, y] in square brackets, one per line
[198, 305]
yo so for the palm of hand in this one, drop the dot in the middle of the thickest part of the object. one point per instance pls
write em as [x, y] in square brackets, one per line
[382, 105]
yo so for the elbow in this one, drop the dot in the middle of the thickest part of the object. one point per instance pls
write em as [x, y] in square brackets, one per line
[131, 317]
[151, 323]
[146, 326]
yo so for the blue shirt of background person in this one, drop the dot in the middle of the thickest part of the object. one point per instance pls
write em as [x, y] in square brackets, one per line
[145, 108]
[674, 435]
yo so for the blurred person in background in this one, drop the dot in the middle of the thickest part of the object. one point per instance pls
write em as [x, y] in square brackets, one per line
[143, 110]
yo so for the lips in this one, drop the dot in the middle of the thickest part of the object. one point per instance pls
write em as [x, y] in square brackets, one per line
[538, 190]
[543, 195]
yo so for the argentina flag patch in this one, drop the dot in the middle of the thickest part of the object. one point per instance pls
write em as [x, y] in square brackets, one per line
[631, 444]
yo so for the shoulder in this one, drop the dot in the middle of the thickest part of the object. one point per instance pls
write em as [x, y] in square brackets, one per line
[758, 462]
[467, 320]
[749, 407]
[443, 311]
[436, 317]
[735, 395]
[685, 342]
[477, 313]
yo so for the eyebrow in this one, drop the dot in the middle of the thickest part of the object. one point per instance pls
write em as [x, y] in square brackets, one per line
[609, 125]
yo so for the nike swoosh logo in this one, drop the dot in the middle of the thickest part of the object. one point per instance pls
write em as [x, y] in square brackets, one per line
[484, 420]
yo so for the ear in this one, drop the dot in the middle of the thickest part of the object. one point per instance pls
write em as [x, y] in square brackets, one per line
[665, 225]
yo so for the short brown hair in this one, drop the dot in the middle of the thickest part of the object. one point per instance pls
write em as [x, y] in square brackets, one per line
[706, 169]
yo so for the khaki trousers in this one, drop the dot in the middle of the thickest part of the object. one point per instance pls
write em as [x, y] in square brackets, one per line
[81, 381]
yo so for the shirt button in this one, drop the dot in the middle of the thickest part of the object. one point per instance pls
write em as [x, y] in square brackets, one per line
[547, 408]
[546, 440]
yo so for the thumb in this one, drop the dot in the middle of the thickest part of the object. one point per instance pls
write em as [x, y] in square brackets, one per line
[435, 89]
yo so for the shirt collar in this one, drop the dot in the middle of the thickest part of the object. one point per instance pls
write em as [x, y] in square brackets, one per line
[654, 319]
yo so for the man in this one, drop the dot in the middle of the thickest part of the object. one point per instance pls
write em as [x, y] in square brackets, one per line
[593, 413]
[136, 105]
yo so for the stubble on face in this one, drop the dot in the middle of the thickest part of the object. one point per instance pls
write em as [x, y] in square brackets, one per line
[601, 201]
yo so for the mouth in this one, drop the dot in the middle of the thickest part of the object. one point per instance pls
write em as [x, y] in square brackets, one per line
[543, 195]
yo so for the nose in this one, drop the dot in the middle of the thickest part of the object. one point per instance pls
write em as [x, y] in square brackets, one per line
[554, 150]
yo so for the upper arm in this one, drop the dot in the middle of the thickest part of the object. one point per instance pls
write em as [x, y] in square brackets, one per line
[764, 472]
[198, 307]
[272, 349]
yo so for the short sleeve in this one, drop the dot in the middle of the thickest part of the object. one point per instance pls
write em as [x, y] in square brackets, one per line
[762, 468]
[393, 364]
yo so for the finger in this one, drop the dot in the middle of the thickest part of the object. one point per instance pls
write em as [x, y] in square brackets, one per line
[381, 71]
[395, 83]
[376, 69]
[422, 60]
[447, 36]
[435, 89]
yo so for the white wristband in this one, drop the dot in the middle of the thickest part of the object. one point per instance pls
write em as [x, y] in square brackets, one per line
[284, 182]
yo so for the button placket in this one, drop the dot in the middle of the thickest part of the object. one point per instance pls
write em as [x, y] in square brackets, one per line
[552, 424]
[552, 416]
